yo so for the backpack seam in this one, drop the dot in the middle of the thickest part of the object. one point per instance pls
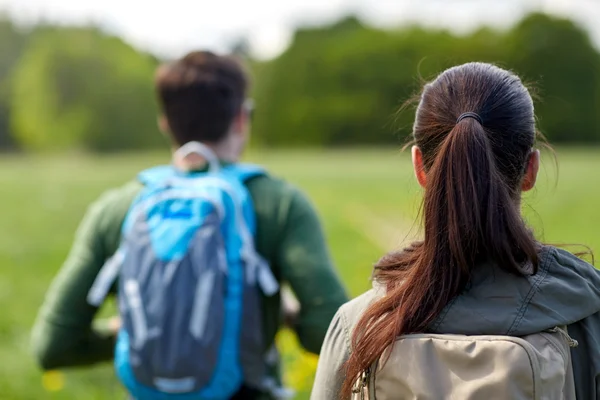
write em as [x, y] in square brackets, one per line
[560, 351]
[543, 273]
[533, 369]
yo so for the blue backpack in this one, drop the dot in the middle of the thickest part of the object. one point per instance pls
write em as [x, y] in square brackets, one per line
[189, 287]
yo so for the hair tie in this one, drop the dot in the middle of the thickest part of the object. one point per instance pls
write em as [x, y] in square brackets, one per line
[469, 114]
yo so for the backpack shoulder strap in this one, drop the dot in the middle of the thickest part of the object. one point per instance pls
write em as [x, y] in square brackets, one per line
[151, 179]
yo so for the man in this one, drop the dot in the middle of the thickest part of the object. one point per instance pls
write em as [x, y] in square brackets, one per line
[203, 99]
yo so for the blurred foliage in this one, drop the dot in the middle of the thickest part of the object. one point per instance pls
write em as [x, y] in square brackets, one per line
[79, 88]
[559, 59]
[66, 87]
[340, 85]
[12, 43]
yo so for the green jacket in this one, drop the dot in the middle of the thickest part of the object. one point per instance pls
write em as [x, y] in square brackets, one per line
[564, 292]
[289, 236]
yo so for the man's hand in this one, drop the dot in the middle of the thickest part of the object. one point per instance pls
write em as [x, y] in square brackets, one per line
[290, 307]
[114, 324]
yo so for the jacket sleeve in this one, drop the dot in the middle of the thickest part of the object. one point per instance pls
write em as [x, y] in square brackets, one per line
[586, 357]
[307, 267]
[334, 354]
[63, 334]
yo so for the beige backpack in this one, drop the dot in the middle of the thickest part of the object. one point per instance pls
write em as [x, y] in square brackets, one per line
[458, 367]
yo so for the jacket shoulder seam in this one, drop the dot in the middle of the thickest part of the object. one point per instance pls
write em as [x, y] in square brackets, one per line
[538, 279]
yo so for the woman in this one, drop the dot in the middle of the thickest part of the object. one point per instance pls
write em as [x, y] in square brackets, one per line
[479, 269]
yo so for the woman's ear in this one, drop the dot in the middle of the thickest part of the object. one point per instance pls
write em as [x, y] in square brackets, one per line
[417, 159]
[531, 172]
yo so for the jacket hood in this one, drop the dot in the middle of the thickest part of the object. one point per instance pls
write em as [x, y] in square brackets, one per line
[565, 290]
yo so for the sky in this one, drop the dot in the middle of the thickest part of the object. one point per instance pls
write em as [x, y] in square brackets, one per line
[170, 28]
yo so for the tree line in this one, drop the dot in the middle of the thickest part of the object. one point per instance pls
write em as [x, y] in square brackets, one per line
[337, 85]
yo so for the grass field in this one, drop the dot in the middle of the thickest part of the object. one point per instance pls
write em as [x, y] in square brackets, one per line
[367, 199]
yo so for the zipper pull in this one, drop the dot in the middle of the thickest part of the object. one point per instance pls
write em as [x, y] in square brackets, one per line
[572, 342]
[362, 384]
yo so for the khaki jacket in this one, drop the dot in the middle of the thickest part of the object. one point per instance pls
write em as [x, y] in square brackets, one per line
[564, 292]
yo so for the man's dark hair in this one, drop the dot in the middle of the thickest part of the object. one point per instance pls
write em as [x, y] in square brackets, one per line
[200, 95]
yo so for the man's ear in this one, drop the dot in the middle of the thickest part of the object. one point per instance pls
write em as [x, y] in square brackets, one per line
[417, 159]
[163, 124]
[240, 125]
[531, 171]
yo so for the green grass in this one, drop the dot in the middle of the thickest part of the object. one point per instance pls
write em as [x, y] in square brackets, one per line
[368, 201]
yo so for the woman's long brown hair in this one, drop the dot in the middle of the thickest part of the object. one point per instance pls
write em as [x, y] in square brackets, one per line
[470, 210]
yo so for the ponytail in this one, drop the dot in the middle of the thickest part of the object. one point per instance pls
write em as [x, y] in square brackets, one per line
[470, 215]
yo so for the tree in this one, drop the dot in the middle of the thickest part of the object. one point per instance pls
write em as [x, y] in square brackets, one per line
[241, 47]
[77, 87]
[12, 42]
[558, 57]
[342, 84]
